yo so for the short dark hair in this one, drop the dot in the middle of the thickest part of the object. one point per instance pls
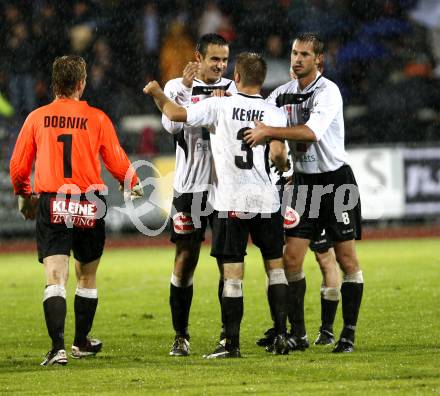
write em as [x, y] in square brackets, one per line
[314, 38]
[252, 68]
[210, 38]
[67, 72]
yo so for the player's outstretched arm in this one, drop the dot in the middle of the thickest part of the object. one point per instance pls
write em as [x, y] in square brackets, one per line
[262, 132]
[173, 111]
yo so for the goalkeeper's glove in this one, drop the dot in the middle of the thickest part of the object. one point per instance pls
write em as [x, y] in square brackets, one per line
[28, 205]
[136, 192]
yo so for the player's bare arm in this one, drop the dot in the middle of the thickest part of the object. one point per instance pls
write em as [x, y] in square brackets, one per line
[190, 72]
[262, 132]
[278, 155]
[173, 111]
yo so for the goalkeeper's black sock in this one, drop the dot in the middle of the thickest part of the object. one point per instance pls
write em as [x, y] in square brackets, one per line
[86, 301]
[54, 305]
[180, 303]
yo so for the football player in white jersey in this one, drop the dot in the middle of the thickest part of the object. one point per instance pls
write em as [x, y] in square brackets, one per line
[325, 191]
[192, 176]
[243, 197]
[324, 255]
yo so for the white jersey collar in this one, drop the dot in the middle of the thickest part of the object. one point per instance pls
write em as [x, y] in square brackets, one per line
[318, 76]
[256, 96]
[214, 83]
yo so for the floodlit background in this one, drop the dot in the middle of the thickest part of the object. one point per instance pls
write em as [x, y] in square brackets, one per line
[385, 57]
[383, 54]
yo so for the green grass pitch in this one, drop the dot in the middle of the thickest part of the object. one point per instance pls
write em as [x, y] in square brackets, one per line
[397, 350]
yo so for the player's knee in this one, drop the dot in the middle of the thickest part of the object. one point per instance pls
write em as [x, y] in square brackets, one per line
[56, 277]
[348, 261]
[292, 262]
[325, 260]
[233, 271]
[293, 256]
[186, 260]
[87, 281]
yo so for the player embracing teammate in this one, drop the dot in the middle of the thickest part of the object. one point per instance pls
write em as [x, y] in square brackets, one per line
[325, 195]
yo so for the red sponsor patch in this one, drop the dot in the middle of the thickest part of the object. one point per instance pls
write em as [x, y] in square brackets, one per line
[72, 212]
[232, 214]
[183, 223]
[291, 218]
[195, 99]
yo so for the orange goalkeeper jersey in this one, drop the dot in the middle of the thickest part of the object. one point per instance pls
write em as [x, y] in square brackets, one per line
[66, 139]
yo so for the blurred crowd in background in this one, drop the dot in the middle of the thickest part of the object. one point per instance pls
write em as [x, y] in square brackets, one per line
[383, 54]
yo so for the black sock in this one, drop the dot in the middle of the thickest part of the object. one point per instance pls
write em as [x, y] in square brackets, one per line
[233, 314]
[221, 284]
[55, 315]
[295, 308]
[85, 309]
[277, 296]
[180, 303]
[328, 313]
[351, 302]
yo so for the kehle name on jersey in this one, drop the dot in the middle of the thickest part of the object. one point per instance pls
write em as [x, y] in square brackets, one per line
[320, 107]
[241, 181]
[193, 149]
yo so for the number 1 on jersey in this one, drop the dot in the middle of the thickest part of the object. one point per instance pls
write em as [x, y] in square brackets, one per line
[67, 154]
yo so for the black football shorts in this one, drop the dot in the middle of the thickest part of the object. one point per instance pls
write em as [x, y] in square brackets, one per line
[187, 220]
[338, 212]
[230, 235]
[70, 223]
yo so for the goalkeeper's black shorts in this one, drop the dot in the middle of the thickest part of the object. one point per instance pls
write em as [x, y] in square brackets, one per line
[71, 223]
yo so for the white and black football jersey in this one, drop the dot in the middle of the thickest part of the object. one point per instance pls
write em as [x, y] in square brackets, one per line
[193, 150]
[240, 179]
[320, 107]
